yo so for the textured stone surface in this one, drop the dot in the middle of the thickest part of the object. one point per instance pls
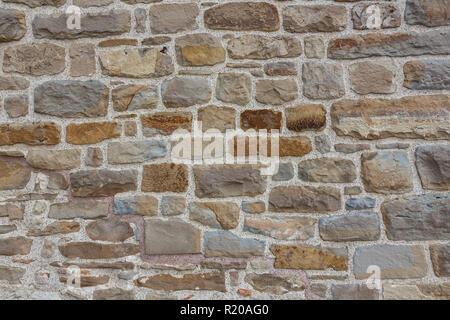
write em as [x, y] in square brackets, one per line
[261, 119]
[408, 117]
[165, 123]
[13, 83]
[199, 50]
[234, 88]
[171, 237]
[389, 16]
[143, 205]
[221, 215]
[243, 16]
[353, 292]
[323, 80]
[362, 226]
[275, 284]
[173, 17]
[368, 77]
[185, 92]
[13, 175]
[31, 133]
[109, 230]
[309, 258]
[433, 166]
[261, 47]
[430, 13]
[165, 177]
[427, 74]
[167, 282]
[93, 250]
[38, 3]
[135, 152]
[416, 291]
[227, 244]
[306, 117]
[13, 25]
[304, 199]
[11, 275]
[228, 181]
[386, 172]
[102, 183]
[82, 60]
[217, 118]
[327, 170]
[301, 19]
[282, 228]
[16, 106]
[134, 97]
[440, 254]
[359, 203]
[86, 209]
[15, 246]
[395, 261]
[276, 92]
[424, 217]
[54, 159]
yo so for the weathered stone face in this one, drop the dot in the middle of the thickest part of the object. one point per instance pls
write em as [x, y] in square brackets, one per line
[424, 217]
[86, 209]
[431, 13]
[217, 118]
[386, 172]
[38, 3]
[82, 60]
[234, 88]
[306, 117]
[389, 16]
[135, 152]
[302, 19]
[282, 228]
[185, 92]
[221, 215]
[109, 230]
[13, 175]
[353, 292]
[173, 17]
[143, 205]
[367, 78]
[427, 74]
[94, 25]
[13, 25]
[304, 199]
[171, 237]
[199, 50]
[433, 166]
[395, 261]
[243, 16]
[261, 119]
[134, 97]
[364, 226]
[167, 177]
[261, 47]
[165, 123]
[440, 254]
[417, 117]
[92, 132]
[136, 63]
[227, 244]
[327, 170]
[416, 291]
[54, 159]
[166, 282]
[323, 81]
[72, 99]
[15, 246]
[276, 92]
[102, 183]
[275, 284]
[93, 250]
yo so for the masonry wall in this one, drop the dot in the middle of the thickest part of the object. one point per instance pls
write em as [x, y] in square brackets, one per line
[87, 179]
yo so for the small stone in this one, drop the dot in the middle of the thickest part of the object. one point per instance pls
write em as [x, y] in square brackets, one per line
[12, 211]
[323, 144]
[361, 226]
[109, 230]
[16, 106]
[285, 172]
[306, 117]
[201, 49]
[261, 47]
[394, 145]
[82, 60]
[102, 182]
[352, 191]
[353, 292]
[13, 83]
[54, 159]
[309, 258]
[185, 92]
[274, 284]
[327, 170]
[351, 148]
[232, 265]
[85, 209]
[167, 282]
[142, 205]
[165, 123]
[388, 16]
[89, 281]
[319, 18]
[243, 16]
[4, 229]
[165, 177]
[221, 215]
[155, 41]
[171, 237]
[31, 133]
[13, 175]
[135, 152]
[281, 228]
[276, 92]
[94, 157]
[140, 17]
[11, 275]
[35, 59]
[173, 17]
[228, 181]
[227, 244]
[261, 119]
[416, 117]
[440, 254]
[117, 42]
[323, 80]
[360, 203]
[38, 3]
[92, 250]
[433, 166]
[130, 128]
[304, 199]
[422, 217]
[72, 99]
[15, 246]
[13, 24]
[416, 291]
[234, 88]
[48, 249]
[217, 118]
[394, 261]
[113, 294]
[281, 69]
[368, 77]
[430, 13]
[254, 207]
[101, 24]
[387, 172]
[58, 227]
[92, 132]
[427, 74]
[172, 205]
[136, 63]
[314, 48]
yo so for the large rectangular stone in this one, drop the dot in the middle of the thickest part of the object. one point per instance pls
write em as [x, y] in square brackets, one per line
[415, 117]
[167, 282]
[86, 209]
[361, 226]
[227, 244]
[31, 133]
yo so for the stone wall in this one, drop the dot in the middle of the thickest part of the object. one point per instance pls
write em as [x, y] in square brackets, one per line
[86, 175]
